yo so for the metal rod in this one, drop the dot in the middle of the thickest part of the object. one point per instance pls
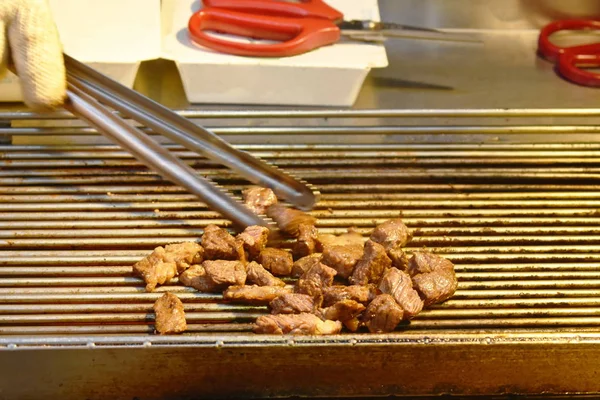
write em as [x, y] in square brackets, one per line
[190, 135]
[157, 158]
[329, 130]
[344, 113]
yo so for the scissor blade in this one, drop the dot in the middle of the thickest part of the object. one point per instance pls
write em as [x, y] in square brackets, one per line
[366, 29]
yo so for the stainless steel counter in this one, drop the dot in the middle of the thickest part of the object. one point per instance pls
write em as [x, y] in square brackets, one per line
[503, 72]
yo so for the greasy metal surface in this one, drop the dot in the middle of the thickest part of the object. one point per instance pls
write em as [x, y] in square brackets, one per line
[520, 221]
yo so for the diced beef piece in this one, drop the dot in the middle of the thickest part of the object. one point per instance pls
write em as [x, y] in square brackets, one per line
[214, 275]
[436, 287]
[258, 275]
[433, 277]
[220, 245]
[326, 239]
[353, 324]
[154, 269]
[305, 323]
[383, 314]
[292, 303]
[391, 234]
[258, 199]
[350, 238]
[254, 239]
[166, 262]
[278, 261]
[288, 219]
[372, 265]
[304, 264]
[254, 294]
[399, 258]
[358, 293]
[344, 310]
[224, 273]
[424, 262]
[170, 317]
[314, 281]
[196, 277]
[306, 241]
[399, 285]
[184, 254]
[342, 258]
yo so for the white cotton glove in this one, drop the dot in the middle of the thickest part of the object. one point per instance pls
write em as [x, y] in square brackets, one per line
[29, 40]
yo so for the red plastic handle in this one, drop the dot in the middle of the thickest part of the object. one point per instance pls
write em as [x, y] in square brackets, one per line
[296, 35]
[569, 59]
[281, 8]
[551, 52]
[568, 66]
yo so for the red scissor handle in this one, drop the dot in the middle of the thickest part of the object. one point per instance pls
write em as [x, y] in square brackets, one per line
[296, 35]
[569, 59]
[569, 63]
[282, 8]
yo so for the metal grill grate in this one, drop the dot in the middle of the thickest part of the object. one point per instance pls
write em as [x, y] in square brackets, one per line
[521, 221]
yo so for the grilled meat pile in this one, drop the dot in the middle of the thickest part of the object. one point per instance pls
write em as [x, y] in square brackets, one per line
[342, 280]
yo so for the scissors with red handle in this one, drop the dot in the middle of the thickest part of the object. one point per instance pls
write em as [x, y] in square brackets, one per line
[297, 27]
[569, 60]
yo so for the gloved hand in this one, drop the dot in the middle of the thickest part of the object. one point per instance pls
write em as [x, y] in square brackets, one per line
[29, 40]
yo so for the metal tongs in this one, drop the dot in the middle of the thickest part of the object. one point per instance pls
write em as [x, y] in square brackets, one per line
[89, 91]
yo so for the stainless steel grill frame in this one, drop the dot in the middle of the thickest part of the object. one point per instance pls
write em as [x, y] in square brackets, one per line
[511, 196]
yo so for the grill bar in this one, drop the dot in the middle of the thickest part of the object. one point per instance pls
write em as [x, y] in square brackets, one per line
[521, 221]
[346, 130]
[344, 113]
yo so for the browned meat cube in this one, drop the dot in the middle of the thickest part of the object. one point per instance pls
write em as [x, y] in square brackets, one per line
[196, 277]
[254, 239]
[383, 314]
[224, 273]
[288, 219]
[391, 234]
[359, 293]
[220, 245]
[399, 285]
[304, 264]
[292, 303]
[372, 265]
[423, 262]
[258, 275]
[352, 324]
[258, 199]
[184, 254]
[164, 263]
[314, 281]
[254, 294]
[278, 261]
[306, 241]
[154, 269]
[399, 258]
[170, 317]
[344, 310]
[350, 238]
[214, 275]
[305, 323]
[433, 277]
[342, 258]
